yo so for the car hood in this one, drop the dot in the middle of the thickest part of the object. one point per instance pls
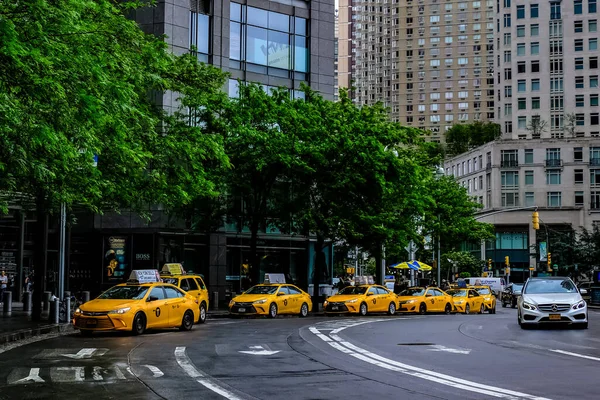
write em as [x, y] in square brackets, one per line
[406, 298]
[101, 305]
[249, 298]
[550, 298]
[344, 297]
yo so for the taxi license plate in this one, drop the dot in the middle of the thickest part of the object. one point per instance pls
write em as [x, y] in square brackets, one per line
[241, 310]
[334, 308]
[91, 322]
[554, 317]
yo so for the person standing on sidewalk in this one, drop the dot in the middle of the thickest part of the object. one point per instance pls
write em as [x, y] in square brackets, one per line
[3, 283]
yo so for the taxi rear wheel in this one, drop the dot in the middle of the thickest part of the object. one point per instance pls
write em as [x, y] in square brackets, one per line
[202, 318]
[493, 309]
[448, 308]
[363, 310]
[392, 309]
[273, 310]
[188, 321]
[467, 309]
[139, 324]
[304, 310]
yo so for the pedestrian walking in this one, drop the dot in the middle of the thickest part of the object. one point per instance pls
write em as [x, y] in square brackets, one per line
[3, 285]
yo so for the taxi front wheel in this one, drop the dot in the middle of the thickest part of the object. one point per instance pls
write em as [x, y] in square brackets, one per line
[202, 318]
[304, 310]
[187, 322]
[273, 310]
[139, 324]
[363, 309]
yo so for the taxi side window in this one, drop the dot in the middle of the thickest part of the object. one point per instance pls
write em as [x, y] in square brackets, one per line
[158, 292]
[184, 285]
[293, 290]
[284, 289]
[437, 292]
[173, 293]
[381, 290]
[191, 283]
[201, 283]
[372, 290]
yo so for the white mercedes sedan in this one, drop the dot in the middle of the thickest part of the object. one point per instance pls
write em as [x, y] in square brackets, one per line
[547, 300]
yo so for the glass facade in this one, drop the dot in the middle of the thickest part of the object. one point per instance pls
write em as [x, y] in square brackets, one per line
[200, 35]
[269, 39]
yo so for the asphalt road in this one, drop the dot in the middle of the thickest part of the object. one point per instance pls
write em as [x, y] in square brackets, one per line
[401, 357]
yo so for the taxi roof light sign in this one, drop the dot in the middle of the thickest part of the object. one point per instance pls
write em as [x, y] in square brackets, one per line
[144, 276]
[173, 269]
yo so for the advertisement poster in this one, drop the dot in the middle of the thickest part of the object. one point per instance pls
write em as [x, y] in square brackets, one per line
[115, 259]
[543, 251]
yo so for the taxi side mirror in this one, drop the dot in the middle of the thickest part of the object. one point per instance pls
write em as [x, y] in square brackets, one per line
[369, 294]
[280, 294]
[152, 298]
[428, 295]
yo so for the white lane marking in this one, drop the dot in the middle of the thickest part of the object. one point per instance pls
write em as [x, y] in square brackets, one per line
[433, 376]
[439, 347]
[259, 351]
[85, 353]
[186, 364]
[157, 373]
[97, 373]
[118, 372]
[324, 338]
[67, 374]
[575, 354]
[34, 376]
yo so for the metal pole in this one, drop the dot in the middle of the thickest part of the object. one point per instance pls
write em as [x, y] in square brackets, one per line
[439, 262]
[356, 261]
[7, 303]
[382, 274]
[61, 249]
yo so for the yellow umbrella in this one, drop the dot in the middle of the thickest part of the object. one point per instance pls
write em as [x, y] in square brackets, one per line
[416, 265]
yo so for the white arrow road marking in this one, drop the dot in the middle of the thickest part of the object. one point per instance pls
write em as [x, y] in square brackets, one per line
[186, 364]
[34, 376]
[157, 373]
[575, 354]
[439, 347]
[67, 374]
[458, 383]
[97, 373]
[259, 351]
[86, 353]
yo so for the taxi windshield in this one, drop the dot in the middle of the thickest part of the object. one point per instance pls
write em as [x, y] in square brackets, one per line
[353, 290]
[125, 293]
[457, 293]
[172, 281]
[413, 292]
[262, 290]
[483, 291]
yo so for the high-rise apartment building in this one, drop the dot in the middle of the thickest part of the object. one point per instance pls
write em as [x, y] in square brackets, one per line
[344, 45]
[547, 69]
[430, 62]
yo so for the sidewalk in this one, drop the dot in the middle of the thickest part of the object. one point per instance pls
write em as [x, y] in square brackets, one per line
[19, 325]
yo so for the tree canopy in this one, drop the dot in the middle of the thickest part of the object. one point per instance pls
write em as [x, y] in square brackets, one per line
[464, 137]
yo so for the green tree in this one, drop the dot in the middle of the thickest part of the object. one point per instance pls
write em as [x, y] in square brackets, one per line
[464, 137]
[465, 264]
[75, 82]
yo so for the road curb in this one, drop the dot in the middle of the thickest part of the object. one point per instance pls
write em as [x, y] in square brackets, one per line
[23, 334]
[221, 315]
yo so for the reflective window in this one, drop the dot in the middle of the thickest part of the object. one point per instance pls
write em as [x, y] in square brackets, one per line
[257, 17]
[158, 292]
[200, 32]
[173, 293]
[235, 41]
[257, 45]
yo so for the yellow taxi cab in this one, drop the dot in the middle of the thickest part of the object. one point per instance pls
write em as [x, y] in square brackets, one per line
[362, 299]
[423, 300]
[142, 303]
[467, 300]
[191, 284]
[489, 300]
[271, 299]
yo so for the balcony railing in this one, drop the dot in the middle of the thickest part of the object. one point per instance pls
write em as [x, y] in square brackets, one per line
[509, 163]
[553, 163]
[595, 161]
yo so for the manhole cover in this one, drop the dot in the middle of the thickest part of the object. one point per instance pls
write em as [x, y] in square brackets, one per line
[415, 344]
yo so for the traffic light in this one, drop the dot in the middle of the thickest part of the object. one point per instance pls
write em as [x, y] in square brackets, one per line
[489, 263]
[535, 220]
[507, 261]
[549, 263]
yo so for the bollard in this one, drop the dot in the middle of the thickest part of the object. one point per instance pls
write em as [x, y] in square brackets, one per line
[46, 298]
[7, 304]
[53, 315]
[86, 297]
[215, 300]
[27, 303]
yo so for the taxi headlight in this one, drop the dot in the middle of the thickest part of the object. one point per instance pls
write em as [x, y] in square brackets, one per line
[459, 301]
[487, 298]
[77, 310]
[325, 303]
[409, 301]
[352, 301]
[579, 305]
[120, 310]
[261, 301]
[231, 303]
[528, 306]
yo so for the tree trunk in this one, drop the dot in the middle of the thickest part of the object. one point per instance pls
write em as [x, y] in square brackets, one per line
[254, 256]
[318, 269]
[40, 258]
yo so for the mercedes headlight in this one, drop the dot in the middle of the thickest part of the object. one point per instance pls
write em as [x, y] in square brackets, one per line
[261, 301]
[120, 310]
[579, 305]
[529, 306]
[352, 301]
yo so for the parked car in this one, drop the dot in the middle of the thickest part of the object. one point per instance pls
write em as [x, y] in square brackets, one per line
[511, 294]
[585, 290]
[551, 300]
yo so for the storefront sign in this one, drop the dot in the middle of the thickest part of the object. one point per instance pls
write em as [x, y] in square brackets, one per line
[142, 257]
[115, 260]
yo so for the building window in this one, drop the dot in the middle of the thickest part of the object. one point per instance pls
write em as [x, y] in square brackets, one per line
[578, 176]
[533, 11]
[520, 30]
[529, 199]
[535, 48]
[528, 156]
[591, 6]
[579, 198]
[510, 199]
[528, 177]
[593, 62]
[579, 82]
[200, 35]
[507, 20]
[509, 158]
[578, 43]
[594, 177]
[522, 122]
[555, 10]
[593, 99]
[520, 12]
[578, 7]
[595, 200]
[521, 49]
[594, 81]
[593, 44]
[592, 25]
[535, 66]
[521, 67]
[553, 177]
[554, 199]
[534, 30]
[535, 103]
[594, 119]
[512, 240]
[578, 154]
[580, 119]
[521, 85]
[578, 26]
[510, 179]
[522, 104]
[579, 100]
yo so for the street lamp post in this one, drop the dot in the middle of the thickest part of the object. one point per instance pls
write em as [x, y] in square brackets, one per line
[438, 174]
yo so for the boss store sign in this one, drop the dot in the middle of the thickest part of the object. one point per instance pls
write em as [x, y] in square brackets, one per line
[143, 251]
